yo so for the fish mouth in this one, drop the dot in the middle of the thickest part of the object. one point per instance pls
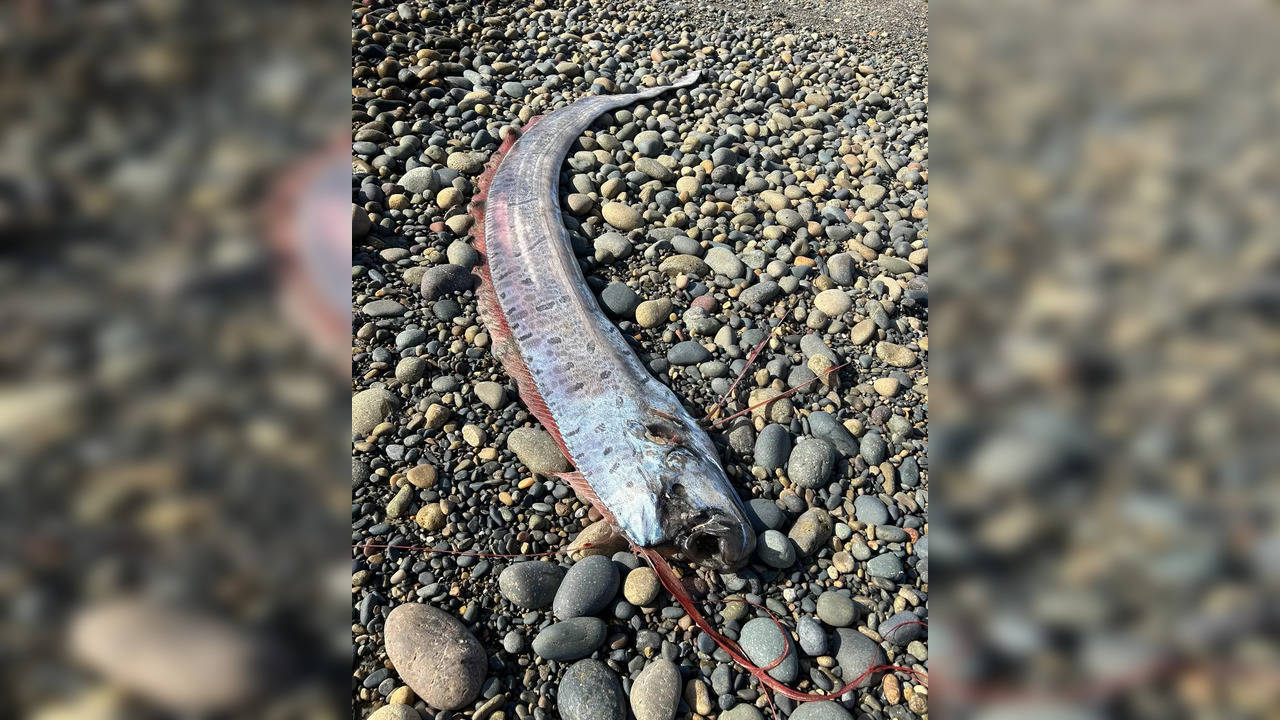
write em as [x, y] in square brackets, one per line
[717, 542]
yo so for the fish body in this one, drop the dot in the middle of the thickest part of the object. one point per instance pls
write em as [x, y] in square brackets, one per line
[639, 455]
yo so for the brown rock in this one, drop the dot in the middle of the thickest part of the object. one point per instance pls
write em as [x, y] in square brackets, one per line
[436, 655]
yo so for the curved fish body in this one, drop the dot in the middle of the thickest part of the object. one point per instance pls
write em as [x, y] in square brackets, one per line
[640, 457]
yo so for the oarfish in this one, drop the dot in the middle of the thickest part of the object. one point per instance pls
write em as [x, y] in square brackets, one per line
[639, 455]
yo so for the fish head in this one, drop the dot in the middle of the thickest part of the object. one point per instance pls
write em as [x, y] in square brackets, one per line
[698, 512]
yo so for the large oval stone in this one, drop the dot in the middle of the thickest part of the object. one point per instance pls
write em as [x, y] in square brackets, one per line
[436, 655]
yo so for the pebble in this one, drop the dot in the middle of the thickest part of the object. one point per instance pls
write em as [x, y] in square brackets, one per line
[824, 710]
[652, 313]
[870, 510]
[895, 355]
[885, 565]
[537, 450]
[901, 628]
[810, 463]
[436, 655]
[612, 246]
[873, 449]
[383, 308]
[655, 694]
[862, 332]
[395, 712]
[420, 181]
[530, 584]
[649, 143]
[619, 300]
[856, 653]
[764, 514]
[833, 303]
[369, 408]
[587, 588]
[492, 394]
[440, 280]
[742, 711]
[723, 262]
[689, 352]
[824, 425]
[811, 636]
[683, 264]
[589, 690]
[641, 587]
[571, 639]
[836, 609]
[772, 447]
[621, 216]
[763, 642]
[775, 550]
[761, 293]
[811, 530]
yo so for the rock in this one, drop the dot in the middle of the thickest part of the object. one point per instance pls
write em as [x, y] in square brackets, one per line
[873, 449]
[841, 268]
[810, 463]
[689, 352]
[386, 307]
[530, 584]
[655, 694]
[825, 710]
[465, 162]
[742, 711]
[901, 628]
[862, 332]
[698, 696]
[461, 253]
[885, 386]
[763, 642]
[683, 264]
[856, 653]
[431, 517]
[183, 661]
[871, 194]
[371, 407]
[410, 370]
[649, 143]
[824, 425]
[723, 262]
[811, 635]
[571, 639]
[833, 303]
[537, 450]
[775, 550]
[652, 313]
[612, 246]
[422, 476]
[886, 565]
[514, 90]
[641, 587]
[789, 218]
[361, 225]
[622, 216]
[590, 691]
[440, 280]
[654, 169]
[836, 609]
[870, 510]
[811, 530]
[895, 355]
[773, 447]
[420, 181]
[764, 514]
[763, 292]
[395, 712]
[587, 588]
[492, 394]
[619, 300]
[435, 655]
[399, 504]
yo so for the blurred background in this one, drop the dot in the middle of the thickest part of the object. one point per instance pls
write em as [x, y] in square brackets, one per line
[174, 372]
[1106, 279]
[173, 392]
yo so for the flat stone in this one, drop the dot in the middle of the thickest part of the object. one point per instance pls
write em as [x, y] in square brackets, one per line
[571, 639]
[895, 355]
[871, 510]
[775, 550]
[622, 216]
[530, 584]
[386, 307]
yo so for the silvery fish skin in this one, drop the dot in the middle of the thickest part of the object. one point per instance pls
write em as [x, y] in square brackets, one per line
[646, 459]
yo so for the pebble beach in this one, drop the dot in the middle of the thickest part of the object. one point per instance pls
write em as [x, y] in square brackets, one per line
[783, 201]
